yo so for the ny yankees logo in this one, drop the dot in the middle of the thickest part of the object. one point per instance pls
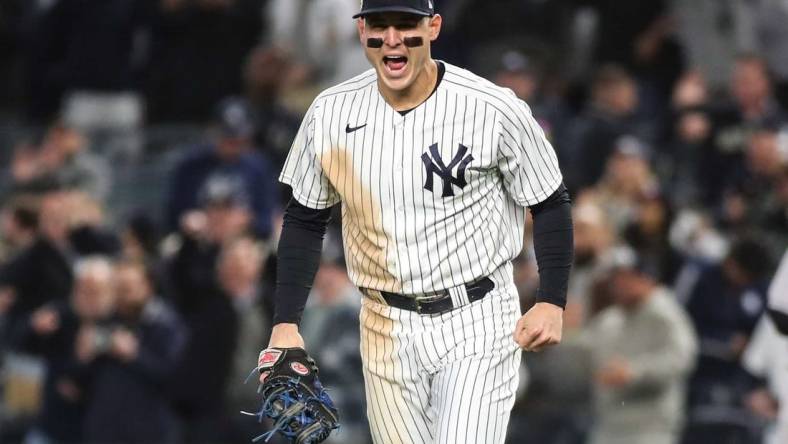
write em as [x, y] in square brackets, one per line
[435, 165]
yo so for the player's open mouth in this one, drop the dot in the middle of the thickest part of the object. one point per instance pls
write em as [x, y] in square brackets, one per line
[394, 63]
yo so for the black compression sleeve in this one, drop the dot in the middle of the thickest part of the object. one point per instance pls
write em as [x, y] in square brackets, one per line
[553, 246]
[298, 257]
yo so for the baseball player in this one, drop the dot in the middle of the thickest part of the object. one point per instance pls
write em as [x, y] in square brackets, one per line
[434, 169]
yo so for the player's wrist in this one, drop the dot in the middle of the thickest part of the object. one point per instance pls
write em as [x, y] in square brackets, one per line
[285, 335]
[551, 304]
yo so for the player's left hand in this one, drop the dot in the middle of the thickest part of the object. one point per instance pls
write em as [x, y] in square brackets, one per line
[539, 327]
[293, 397]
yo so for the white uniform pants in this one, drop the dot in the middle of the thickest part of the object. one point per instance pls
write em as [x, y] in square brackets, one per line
[443, 379]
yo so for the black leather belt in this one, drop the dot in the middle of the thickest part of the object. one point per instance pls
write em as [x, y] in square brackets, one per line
[438, 303]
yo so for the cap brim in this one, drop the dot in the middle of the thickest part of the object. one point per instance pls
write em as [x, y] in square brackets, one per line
[392, 9]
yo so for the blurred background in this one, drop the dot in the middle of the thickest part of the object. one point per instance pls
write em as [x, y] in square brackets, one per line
[140, 141]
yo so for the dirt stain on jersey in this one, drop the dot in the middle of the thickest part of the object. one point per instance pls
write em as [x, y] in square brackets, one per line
[380, 345]
[362, 221]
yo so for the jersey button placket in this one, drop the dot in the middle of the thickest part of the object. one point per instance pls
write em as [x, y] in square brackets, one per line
[388, 207]
[398, 199]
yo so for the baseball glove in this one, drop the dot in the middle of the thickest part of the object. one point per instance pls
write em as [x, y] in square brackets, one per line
[293, 397]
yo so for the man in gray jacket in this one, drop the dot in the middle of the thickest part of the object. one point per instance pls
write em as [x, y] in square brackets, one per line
[643, 348]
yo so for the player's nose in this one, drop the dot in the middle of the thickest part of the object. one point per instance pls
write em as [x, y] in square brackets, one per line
[392, 37]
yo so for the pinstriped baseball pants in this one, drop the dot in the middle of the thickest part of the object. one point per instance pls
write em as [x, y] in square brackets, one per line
[442, 379]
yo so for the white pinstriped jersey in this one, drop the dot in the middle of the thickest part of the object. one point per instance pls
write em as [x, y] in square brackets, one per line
[432, 199]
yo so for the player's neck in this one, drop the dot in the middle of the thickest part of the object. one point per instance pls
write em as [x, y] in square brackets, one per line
[416, 93]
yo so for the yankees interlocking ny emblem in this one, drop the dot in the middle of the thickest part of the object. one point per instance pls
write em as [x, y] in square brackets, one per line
[435, 165]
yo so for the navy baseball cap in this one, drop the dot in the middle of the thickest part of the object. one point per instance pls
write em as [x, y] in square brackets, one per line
[224, 190]
[418, 7]
[234, 118]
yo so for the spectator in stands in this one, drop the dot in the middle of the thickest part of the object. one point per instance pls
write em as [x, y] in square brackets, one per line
[524, 75]
[89, 234]
[688, 132]
[643, 349]
[231, 157]
[128, 363]
[240, 268]
[594, 133]
[593, 239]
[533, 23]
[628, 181]
[224, 217]
[712, 34]
[751, 195]
[320, 35]
[725, 305]
[641, 38]
[42, 272]
[18, 224]
[51, 331]
[62, 160]
[265, 73]
[648, 233]
[753, 106]
[140, 239]
[202, 412]
[228, 324]
[765, 157]
[771, 40]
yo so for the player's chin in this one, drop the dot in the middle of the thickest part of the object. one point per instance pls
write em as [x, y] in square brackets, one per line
[397, 84]
[396, 80]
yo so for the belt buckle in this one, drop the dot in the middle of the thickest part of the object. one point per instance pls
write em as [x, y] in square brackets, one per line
[417, 303]
[429, 299]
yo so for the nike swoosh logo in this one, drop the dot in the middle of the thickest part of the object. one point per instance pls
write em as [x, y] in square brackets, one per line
[349, 129]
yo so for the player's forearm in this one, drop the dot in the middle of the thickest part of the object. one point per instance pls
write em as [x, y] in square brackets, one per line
[297, 263]
[553, 246]
[298, 259]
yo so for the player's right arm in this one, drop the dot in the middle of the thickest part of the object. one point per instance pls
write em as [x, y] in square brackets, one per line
[304, 225]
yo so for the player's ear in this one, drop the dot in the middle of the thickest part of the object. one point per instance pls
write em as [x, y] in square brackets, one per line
[360, 26]
[434, 24]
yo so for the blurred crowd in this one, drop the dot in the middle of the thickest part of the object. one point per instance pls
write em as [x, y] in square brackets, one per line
[140, 142]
